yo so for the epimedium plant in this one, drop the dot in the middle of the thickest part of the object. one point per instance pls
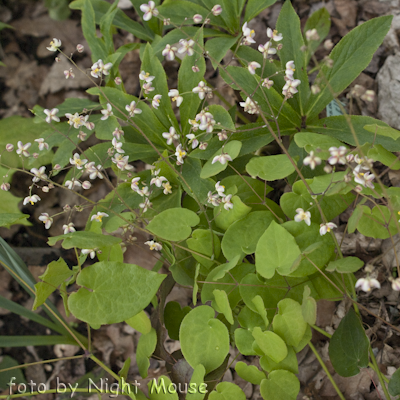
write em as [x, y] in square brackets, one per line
[257, 268]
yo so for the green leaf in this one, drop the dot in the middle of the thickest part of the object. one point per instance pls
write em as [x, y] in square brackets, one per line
[270, 344]
[204, 339]
[394, 383]
[162, 389]
[280, 385]
[317, 143]
[249, 319]
[270, 168]
[276, 251]
[289, 323]
[254, 7]
[209, 169]
[225, 218]
[289, 363]
[202, 241]
[244, 342]
[173, 316]
[56, 273]
[145, 348]
[84, 240]
[345, 265]
[260, 307]
[197, 388]
[242, 236]
[348, 348]
[309, 307]
[227, 391]
[112, 292]
[378, 223]
[140, 322]
[288, 24]
[114, 222]
[350, 57]
[355, 218]
[249, 373]
[174, 224]
[379, 153]
[217, 49]
[221, 304]
[7, 376]
[7, 220]
[383, 131]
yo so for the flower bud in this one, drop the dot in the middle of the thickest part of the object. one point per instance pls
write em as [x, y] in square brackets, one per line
[5, 186]
[195, 68]
[328, 44]
[118, 80]
[51, 186]
[45, 189]
[216, 10]
[35, 155]
[203, 145]
[197, 18]
[57, 167]
[80, 48]
[86, 185]
[9, 147]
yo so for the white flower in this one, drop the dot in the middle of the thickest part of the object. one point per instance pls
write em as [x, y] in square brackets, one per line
[75, 119]
[118, 133]
[290, 68]
[149, 10]
[201, 89]
[396, 284]
[220, 189]
[153, 245]
[169, 52]
[132, 108]
[46, 219]
[213, 199]
[216, 10]
[144, 191]
[68, 73]
[70, 184]
[39, 174]
[23, 149]
[337, 155]
[362, 178]
[77, 161]
[54, 45]
[207, 124]
[122, 162]
[253, 66]
[117, 145]
[312, 160]
[86, 185]
[81, 135]
[186, 47]
[171, 135]
[69, 228]
[147, 88]
[107, 112]
[312, 34]
[167, 188]
[9, 147]
[274, 35]
[195, 125]
[51, 115]
[145, 76]
[223, 135]
[222, 158]
[227, 202]
[91, 252]
[80, 48]
[368, 96]
[203, 145]
[303, 216]
[31, 199]
[99, 68]
[156, 101]
[290, 87]
[324, 228]
[174, 94]
[367, 283]
[94, 172]
[5, 186]
[249, 106]
[42, 144]
[135, 184]
[266, 49]
[192, 140]
[180, 153]
[248, 35]
[145, 205]
[158, 180]
[267, 83]
[99, 216]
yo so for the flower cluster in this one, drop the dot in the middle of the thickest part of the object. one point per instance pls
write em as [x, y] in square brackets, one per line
[220, 197]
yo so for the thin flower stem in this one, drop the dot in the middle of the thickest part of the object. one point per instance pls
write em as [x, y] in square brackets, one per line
[379, 373]
[324, 367]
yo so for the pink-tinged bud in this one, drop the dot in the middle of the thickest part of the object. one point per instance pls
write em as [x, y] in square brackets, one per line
[89, 125]
[195, 68]
[67, 207]
[57, 59]
[86, 185]
[35, 155]
[129, 175]
[9, 147]
[216, 10]
[328, 169]
[328, 44]
[45, 189]
[203, 145]
[51, 186]
[358, 189]
[197, 18]
[279, 47]
[57, 167]
[80, 48]
[118, 80]
[5, 186]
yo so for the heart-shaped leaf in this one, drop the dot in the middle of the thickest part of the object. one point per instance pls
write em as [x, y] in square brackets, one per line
[280, 385]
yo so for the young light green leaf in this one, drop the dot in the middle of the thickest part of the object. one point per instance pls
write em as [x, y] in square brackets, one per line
[348, 348]
[350, 56]
[140, 322]
[249, 319]
[379, 153]
[145, 348]
[270, 168]
[271, 344]
[317, 143]
[383, 131]
[174, 224]
[202, 241]
[244, 342]
[225, 218]
[375, 223]
[249, 373]
[84, 240]
[56, 273]
[289, 322]
[204, 339]
[107, 294]
[276, 250]
[221, 304]
[227, 391]
[260, 307]
[217, 48]
[309, 307]
[345, 265]
[197, 388]
[289, 363]
[162, 389]
[280, 385]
